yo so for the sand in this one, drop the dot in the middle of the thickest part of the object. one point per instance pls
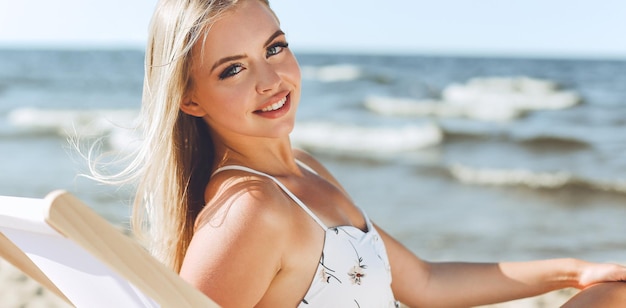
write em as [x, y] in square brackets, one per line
[17, 290]
[549, 300]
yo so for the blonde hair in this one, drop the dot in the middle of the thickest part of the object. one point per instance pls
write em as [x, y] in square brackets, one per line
[173, 164]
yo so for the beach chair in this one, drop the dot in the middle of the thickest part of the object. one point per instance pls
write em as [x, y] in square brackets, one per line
[72, 251]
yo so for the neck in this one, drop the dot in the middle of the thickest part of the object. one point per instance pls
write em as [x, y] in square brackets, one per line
[269, 155]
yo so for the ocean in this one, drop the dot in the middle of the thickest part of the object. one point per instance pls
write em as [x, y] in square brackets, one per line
[460, 158]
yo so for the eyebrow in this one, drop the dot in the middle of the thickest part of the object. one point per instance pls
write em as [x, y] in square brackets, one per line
[273, 36]
[238, 57]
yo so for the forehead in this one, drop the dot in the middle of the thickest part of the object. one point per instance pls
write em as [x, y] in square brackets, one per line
[238, 31]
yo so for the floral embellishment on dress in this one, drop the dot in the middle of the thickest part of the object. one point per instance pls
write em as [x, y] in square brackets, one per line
[356, 274]
[326, 273]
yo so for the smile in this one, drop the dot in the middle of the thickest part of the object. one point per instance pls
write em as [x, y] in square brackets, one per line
[275, 106]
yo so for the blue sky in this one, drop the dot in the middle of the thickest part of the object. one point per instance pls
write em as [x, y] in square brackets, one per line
[568, 28]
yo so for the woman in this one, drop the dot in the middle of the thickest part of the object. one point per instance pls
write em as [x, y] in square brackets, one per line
[249, 221]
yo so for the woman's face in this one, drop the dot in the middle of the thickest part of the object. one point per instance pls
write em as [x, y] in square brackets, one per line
[245, 79]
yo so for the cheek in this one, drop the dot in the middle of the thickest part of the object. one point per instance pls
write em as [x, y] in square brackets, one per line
[233, 93]
[297, 81]
[294, 71]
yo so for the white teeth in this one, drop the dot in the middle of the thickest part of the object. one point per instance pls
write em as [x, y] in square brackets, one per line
[275, 106]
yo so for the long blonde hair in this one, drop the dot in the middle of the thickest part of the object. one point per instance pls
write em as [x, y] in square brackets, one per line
[173, 164]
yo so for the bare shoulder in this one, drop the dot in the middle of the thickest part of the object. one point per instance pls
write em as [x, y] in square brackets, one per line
[309, 160]
[242, 198]
[313, 163]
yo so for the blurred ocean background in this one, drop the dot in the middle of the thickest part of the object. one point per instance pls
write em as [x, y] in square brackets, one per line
[476, 159]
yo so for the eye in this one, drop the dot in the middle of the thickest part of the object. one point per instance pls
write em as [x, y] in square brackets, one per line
[230, 71]
[276, 49]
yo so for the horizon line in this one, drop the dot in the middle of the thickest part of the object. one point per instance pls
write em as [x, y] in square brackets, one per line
[356, 51]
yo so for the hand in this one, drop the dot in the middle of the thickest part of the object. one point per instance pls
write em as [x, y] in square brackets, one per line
[593, 273]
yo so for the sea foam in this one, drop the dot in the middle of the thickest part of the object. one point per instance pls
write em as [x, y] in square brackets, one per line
[517, 92]
[345, 138]
[68, 122]
[432, 108]
[533, 179]
[486, 99]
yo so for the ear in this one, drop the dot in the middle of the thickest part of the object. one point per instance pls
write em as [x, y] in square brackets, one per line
[192, 108]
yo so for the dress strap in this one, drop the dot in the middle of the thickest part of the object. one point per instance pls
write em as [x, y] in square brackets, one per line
[283, 187]
[305, 166]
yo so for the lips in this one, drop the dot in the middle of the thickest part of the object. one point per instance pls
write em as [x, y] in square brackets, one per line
[276, 105]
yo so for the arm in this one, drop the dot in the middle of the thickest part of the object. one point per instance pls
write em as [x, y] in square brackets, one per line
[456, 284]
[425, 284]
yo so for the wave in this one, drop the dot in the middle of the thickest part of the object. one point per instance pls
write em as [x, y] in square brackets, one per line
[533, 179]
[364, 141]
[117, 127]
[332, 73]
[64, 123]
[524, 93]
[390, 106]
[485, 99]
[555, 142]
[541, 140]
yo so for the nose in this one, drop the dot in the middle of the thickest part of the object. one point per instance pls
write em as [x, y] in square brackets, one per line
[268, 78]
